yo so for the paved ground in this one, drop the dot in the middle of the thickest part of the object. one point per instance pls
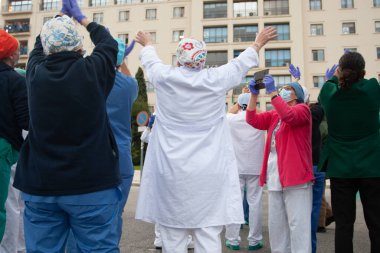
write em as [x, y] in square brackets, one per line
[138, 236]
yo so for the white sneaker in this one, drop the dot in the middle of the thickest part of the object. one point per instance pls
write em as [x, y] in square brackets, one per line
[158, 243]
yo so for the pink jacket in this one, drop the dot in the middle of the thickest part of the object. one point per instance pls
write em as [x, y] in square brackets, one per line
[293, 141]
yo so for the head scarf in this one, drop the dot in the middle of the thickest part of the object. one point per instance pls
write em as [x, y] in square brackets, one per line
[60, 34]
[299, 92]
[191, 53]
[8, 44]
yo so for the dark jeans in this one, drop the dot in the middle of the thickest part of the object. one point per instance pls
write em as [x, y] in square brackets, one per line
[343, 200]
[318, 189]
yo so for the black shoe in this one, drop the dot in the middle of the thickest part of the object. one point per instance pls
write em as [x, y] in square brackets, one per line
[330, 220]
[321, 230]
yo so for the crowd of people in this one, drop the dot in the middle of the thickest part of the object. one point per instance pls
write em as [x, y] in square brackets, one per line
[72, 173]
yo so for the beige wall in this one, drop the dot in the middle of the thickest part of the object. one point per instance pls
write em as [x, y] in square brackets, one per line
[299, 18]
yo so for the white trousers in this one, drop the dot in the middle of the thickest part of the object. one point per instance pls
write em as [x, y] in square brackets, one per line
[206, 240]
[254, 196]
[13, 240]
[289, 220]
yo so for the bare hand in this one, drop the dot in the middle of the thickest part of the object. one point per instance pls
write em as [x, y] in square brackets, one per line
[267, 34]
[143, 38]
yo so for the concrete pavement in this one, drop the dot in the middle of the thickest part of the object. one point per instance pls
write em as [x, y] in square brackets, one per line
[138, 236]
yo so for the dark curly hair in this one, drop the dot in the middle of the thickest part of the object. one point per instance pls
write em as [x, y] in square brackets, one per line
[351, 66]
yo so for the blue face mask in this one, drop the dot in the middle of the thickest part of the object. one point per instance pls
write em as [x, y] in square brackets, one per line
[286, 95]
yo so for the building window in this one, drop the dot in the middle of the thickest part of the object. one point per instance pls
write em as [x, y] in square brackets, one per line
[153, 36]
[177, 35]
[237, 52]
[178, 12]
[98, 17]
[150, 1]
[318, 81]
[98, 3]
[378, 53]
[318, 54]
[276, 7]
[20, 6]
[17, 26]
[348, 28]
[315, 5]
[124, 1]
[216, 58]
[245, 8]
[376, 3]
[48, 5]
[151, 14]
[268, 106]
[124, 37]
[316, 29]
[283, 30]
[281, 80]
[215, 34]
[350, 49]
[123, 16]
[245, 33]
[347, 4]
[377, 26]
[46, 19]
[277, 57]
[23, 47]
[174, 60]
[215, 10]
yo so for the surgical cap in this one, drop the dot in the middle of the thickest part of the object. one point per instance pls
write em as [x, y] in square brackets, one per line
[121, 51]
[8, 44]
[60, 34]
[243, 100]
[192, 53]
[299, 91]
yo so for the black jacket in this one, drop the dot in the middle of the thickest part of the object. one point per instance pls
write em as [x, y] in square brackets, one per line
[70, 148]
[317, 114]
[13, 106]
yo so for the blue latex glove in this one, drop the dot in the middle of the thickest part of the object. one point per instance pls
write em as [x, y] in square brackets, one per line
[151, 121]
[295, 72]
[330, 72]
[252, 88]
[66, 7]
[129, 49]
[269, 84]
[75, 11]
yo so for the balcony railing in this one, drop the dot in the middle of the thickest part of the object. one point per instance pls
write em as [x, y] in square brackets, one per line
[16, 8]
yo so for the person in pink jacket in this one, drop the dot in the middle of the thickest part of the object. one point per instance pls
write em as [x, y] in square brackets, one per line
[287, 168]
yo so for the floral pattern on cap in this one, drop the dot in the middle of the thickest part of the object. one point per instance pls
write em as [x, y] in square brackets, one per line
[60, 34]
[192, 53]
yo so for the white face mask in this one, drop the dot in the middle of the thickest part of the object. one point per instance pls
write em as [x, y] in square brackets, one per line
[286, 95]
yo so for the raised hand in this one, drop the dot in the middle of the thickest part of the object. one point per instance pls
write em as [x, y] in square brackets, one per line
[143, 38]
[295, 72]
[330, 72]
[269, 84]
[129, 49]
[75, 11]
[252, 85]
[267, 34]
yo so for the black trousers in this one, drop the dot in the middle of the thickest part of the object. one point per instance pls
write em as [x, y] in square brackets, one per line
[343, 200]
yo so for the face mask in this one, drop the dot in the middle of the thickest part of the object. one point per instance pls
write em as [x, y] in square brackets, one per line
[286, 95]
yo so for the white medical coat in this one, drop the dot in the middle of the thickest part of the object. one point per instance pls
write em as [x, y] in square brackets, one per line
[190, 178]
[248, 144]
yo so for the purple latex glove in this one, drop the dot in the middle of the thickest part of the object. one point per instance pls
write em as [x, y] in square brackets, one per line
[66, 7]
[75, 11]
[269, 84]
[346, 51]
[330, 72]
[252, 88]
[295, 72]
[129, 49]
